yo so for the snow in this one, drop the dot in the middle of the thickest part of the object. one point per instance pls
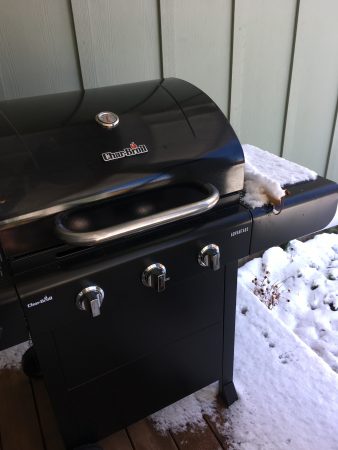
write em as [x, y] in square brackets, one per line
[265, 174]
[310, 309]
[11, 357]
[334, 221]
[285, 358]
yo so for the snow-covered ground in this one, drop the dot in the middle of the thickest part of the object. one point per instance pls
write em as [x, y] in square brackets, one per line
[285, 358]
[305, 278]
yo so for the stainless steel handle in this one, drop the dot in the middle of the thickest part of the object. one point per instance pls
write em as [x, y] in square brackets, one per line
[134, 226]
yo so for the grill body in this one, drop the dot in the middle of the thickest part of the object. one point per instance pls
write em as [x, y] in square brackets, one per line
[126, 324]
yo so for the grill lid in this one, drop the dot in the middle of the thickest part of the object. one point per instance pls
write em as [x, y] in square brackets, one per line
[54, 154]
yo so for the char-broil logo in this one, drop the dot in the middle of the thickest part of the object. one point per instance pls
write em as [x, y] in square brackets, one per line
[132, 150]
[45, 299]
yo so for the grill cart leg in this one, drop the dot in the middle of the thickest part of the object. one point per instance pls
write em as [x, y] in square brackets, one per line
[228, 394]
[30, 363]
[227, 388]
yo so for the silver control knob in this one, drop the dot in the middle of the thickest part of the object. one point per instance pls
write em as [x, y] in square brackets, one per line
[90, 299]
[209, 256]
[155, 276]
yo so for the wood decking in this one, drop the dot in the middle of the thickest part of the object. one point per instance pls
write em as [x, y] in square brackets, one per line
[27, 423]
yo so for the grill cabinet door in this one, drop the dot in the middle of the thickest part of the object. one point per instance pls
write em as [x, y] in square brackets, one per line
[144, 351]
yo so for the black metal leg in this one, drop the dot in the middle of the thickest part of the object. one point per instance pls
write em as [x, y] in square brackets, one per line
[30, 363]
[227, 387]
[228, 394]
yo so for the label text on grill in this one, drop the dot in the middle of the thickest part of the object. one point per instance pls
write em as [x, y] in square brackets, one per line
[133, 150]
[240, 231]
[45, 299]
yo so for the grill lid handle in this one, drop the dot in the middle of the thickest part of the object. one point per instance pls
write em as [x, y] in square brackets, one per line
[138, 225]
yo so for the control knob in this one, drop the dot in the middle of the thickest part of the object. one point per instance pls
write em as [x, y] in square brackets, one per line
[107, 119]
[90, 299]
[155, 276]
[209, 256]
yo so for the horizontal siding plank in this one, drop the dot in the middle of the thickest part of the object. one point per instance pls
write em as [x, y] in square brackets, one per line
[332, 169]
[196, 42]
[314, 85]
[118, 41]
[262, 52]
[37, 48]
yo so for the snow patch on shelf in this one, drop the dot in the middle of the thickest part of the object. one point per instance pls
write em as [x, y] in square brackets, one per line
[265, 175]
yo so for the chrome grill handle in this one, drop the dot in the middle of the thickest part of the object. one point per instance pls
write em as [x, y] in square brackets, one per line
[138, 225]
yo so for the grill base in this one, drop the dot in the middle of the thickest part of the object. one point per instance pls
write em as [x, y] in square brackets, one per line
[147, 349]
[111, 401]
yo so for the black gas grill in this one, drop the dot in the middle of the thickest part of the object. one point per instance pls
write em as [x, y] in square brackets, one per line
[121, 228]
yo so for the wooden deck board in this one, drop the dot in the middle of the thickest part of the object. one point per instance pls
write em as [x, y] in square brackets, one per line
[196, 439]
[145, 437]
[20, 429]
[117, 441]
[27, 422]
[216, 423]
[49, 427]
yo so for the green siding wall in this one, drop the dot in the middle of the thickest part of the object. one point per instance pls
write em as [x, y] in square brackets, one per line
[196, 44]
[263, 40]
[37, 48]
[271, 65]
[314, 85]
[118, 41]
